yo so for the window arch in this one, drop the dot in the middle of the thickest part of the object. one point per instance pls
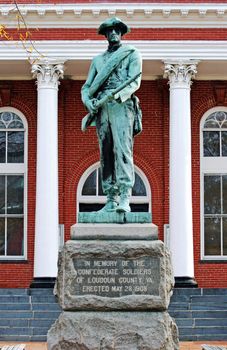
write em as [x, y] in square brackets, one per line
[13, 184]
[91, 198]
[213, 168]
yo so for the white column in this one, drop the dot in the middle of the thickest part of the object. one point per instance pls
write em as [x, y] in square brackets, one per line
[181, 231]
[46, 216]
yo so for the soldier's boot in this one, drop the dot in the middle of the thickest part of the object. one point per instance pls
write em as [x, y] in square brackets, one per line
[111, 203]
[124, 201]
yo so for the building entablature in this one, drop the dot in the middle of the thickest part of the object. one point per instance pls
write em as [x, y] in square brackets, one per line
[77, 55]
[89, 15]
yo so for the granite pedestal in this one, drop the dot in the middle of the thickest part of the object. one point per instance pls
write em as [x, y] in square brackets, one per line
[114, 286]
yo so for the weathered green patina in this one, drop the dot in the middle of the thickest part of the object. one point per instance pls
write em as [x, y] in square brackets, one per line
[118, 120]
[114, 217]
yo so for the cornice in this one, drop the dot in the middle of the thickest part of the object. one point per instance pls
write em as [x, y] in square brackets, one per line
[141, 15]
[86, 49]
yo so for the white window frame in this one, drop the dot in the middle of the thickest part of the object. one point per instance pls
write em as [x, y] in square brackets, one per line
[18, 169]
[209, 166]
[102, 199]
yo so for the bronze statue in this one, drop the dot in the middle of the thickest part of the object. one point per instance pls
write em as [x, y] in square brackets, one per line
[108, 95]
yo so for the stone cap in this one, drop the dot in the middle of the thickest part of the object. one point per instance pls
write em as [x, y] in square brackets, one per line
[113, 232]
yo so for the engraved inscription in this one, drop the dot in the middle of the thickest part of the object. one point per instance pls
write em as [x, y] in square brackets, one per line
[116, 278]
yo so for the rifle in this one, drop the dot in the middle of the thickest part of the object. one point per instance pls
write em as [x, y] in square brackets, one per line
[89, 119]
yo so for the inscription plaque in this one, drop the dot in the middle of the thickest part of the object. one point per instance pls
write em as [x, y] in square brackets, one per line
[116, 277]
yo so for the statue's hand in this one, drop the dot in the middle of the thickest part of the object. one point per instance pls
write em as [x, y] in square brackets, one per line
[91, 105]
[117, 97]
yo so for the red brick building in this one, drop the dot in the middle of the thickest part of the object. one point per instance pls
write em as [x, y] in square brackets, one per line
[49, 168]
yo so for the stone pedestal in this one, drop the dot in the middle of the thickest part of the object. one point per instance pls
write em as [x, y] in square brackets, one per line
[113, 331]
[114, 291]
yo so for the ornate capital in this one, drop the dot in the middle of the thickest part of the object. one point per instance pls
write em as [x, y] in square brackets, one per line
[180, 73]
[48, 74]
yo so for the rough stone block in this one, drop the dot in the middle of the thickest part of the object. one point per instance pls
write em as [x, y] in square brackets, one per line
[114, 275]
[113, 331]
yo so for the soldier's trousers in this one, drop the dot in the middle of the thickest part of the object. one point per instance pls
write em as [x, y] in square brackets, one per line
[114, 126]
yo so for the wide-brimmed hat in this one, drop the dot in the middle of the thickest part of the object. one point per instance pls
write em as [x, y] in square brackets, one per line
[113, 22]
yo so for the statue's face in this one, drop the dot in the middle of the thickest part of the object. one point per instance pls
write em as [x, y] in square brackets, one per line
[113, 35]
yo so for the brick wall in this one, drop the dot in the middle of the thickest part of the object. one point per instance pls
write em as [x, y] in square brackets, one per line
[203, 98]
[135, 34]
[23, 97]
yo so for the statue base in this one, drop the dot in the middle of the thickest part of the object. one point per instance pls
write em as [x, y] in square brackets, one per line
[113, 217]
[114, 291]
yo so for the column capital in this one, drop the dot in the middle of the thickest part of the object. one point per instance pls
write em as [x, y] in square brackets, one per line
[48, 73]
[180, 73]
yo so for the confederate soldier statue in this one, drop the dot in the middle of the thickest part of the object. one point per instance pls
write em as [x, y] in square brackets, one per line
[108, 95]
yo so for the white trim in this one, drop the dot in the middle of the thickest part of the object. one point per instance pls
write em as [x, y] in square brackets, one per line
[66, 50]
[209, 166]
[102, 199]
[142, 15]
[20, 169]
[167, 235]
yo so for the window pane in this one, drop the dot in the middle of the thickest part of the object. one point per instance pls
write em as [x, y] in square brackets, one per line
[224, 143]
[212, 236]
[16, 122]
[139, 207]
[138, 188]
[224, 190]
[211, 144]
[87, 207]
[89, 188]
[225, 236]
[100, 192]
[15, 194]
[211, 123]
[15, 147]
[15, 235]
[2, 236]
[2, 194]
[6, 118]
[212, 195]
[2, 147]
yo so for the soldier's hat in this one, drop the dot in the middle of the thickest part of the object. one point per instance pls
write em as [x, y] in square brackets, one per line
[113, 22]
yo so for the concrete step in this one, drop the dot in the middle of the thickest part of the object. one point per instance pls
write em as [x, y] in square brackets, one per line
[27, 314]
[209, 299]
[210, 322]
[203, 330]
[208, 306]
[179, 305]
[14, 299]
[14, 306]
[13, 291]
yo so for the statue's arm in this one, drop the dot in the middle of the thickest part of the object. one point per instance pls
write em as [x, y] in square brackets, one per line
[135, 67]
[89, 102]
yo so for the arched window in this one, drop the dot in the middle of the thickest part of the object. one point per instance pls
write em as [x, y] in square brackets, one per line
[91, 198]
[13, 180]
[214, 184]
